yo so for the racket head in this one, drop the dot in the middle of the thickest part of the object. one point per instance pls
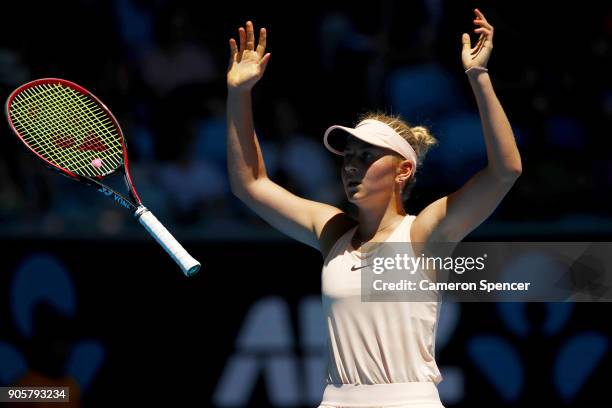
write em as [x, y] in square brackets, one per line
[68, 128]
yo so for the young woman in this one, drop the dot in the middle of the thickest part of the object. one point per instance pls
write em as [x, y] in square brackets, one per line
[380, 353]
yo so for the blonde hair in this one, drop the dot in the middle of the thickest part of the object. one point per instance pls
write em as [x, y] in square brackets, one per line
[419, 137]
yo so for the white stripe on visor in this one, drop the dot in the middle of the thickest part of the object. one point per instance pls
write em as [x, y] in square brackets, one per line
[376, 133]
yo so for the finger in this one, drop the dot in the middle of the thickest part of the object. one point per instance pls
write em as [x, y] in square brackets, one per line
[250, 36]
[480, 15]
[481, 40]
[479, 44]
[482, 23]
[483, 30]
[242, 35]
[481, 18]
[264, 62]
[465, 40]
[261, 46]
[233, 50]
[485, 35]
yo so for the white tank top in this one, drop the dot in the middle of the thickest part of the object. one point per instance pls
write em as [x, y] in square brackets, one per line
[375, 342]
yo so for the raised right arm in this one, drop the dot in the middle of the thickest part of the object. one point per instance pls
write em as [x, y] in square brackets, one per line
[315, 224]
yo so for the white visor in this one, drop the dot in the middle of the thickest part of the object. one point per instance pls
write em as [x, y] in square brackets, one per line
[373, 132]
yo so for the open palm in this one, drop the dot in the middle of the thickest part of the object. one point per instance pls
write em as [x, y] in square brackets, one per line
[247, 63]
[478, 56]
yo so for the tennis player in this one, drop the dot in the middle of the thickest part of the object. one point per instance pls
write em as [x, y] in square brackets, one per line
[381, 354]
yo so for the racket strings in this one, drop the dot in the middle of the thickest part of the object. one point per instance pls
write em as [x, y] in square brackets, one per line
[74, 118]
[57, 146]
[68, 129]
[101, 122]
[46, 144]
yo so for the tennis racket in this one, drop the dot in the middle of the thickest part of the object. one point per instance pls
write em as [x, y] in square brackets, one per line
[73, 132]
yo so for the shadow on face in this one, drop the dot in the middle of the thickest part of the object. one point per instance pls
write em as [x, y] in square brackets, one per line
[367, 169]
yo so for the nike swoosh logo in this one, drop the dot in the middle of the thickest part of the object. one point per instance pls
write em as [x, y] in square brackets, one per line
[355, 268]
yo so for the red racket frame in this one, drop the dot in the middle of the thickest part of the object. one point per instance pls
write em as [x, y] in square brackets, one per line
[135, 201]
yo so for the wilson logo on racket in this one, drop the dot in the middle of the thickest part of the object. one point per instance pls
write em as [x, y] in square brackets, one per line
[73, 132]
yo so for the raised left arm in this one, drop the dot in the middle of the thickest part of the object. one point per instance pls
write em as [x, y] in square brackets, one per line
[454, 216]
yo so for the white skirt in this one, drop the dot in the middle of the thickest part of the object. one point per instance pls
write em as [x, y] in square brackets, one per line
[396, 395]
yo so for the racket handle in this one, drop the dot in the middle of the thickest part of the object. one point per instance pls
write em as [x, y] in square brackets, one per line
[189, 265]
